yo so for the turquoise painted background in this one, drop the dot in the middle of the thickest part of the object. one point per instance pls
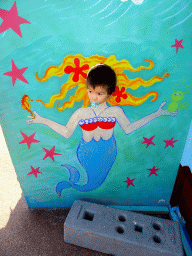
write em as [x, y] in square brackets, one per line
[128, 30]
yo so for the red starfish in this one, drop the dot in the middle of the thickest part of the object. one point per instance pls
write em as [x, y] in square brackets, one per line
[178, 44]
[28, 139]
[77, 70]
[148, 141]
[129, 182]
[153, 171]
[170, 142]
[16, 73]
[34, 171]
[50, 153]
[119, 94]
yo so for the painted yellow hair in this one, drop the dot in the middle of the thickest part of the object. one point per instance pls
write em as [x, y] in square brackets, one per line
[73, 63]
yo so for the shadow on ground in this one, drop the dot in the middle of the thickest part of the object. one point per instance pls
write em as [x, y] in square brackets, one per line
[37, 232]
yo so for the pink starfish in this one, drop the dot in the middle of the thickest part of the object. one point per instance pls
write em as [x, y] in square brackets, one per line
[178, 44]
[34, 171]
[16, 73]
[153, 171]
[50, 153]
[11, 20]
[77, 70]
[170, 142]
[148, 141]
[28, 139]
[129, 182]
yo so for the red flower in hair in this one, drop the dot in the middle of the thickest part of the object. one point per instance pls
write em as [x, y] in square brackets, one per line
[77, 70]
[119, 94]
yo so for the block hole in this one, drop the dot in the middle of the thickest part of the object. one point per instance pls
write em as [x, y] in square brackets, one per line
[122, 218]
[88, 216]
[156, 226]
[120, 230]
[138, 228]
[157, 239]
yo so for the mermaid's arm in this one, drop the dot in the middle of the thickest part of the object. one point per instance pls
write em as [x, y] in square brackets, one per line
[65, 131]
[129, 127]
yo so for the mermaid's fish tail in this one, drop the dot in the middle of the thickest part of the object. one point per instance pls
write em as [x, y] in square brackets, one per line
[62, 185]
[74, 177]
[91, 184]
[96, 158]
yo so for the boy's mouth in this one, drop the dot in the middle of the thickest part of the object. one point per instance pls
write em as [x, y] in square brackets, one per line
[94, 104]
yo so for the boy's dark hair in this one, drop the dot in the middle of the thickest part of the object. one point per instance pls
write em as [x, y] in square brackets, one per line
[102, 75]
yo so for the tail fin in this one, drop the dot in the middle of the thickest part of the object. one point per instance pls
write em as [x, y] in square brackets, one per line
[73, 178]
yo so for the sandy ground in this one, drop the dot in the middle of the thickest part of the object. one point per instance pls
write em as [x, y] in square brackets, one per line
[10, 191]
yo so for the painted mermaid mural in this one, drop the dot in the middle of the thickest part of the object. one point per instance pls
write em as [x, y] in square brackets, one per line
[100, 81]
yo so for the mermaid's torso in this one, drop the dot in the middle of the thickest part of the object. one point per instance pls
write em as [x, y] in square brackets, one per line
[98, 126]
[96, 151]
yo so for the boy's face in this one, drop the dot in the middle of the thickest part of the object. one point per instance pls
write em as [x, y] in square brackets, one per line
[97, 95]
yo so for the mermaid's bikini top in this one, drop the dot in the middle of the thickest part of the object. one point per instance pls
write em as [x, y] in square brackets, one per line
[97, 121]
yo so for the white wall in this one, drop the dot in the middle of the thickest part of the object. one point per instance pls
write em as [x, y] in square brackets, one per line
[187, 153]
[10, 191]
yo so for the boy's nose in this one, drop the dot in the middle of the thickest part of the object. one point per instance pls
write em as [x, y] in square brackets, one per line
[94, 97]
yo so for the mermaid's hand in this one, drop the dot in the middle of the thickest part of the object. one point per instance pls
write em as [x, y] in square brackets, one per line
[35, 120]
[165, 112]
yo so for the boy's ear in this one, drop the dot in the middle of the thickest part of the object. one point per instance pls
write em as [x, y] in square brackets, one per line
[109, 96]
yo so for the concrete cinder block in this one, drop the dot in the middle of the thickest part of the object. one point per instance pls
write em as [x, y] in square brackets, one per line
[121, 232]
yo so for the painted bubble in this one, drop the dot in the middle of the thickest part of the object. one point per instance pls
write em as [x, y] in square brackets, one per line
[134, 1]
